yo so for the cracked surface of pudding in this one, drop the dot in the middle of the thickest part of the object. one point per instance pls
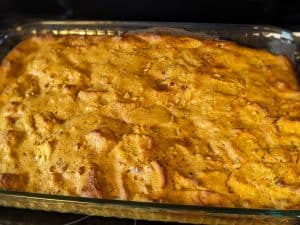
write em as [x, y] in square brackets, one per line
[150, 117]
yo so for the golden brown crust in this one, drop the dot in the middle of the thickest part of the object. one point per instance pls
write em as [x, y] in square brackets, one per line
[10, 181]
[150, 118]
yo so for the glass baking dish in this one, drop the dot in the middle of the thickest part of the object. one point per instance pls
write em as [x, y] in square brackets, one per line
[273, 39]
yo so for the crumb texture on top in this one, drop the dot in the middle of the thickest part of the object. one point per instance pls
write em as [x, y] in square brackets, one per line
[150, 118]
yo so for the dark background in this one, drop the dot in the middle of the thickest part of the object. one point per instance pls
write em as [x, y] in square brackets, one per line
[280, 13]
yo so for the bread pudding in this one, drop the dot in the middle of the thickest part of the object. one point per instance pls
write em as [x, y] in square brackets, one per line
[148, 117]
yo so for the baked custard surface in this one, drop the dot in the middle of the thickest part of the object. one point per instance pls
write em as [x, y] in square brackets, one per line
[150, 117]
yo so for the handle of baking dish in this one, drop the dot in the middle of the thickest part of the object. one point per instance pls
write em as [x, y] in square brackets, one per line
[296, 36]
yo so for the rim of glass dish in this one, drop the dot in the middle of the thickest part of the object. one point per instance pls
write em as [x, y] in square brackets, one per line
[284, 33]
[134, 204]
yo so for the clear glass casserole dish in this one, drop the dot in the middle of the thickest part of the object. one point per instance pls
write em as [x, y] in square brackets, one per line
[273, 39]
